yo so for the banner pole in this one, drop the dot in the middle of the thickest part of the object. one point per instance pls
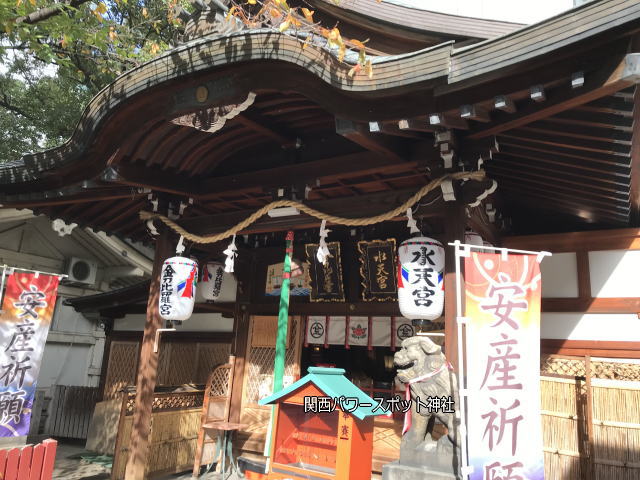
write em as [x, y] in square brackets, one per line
[4, 273]
[462, 384]
[281, 338]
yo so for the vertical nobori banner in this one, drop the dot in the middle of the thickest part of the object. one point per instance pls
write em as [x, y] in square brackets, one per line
[24, 324]
[503, 376]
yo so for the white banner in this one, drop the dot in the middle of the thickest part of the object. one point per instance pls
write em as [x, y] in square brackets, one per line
[382, 329]
[503, 377]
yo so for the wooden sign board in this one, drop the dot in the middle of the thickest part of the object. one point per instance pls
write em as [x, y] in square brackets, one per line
[264, 332]
[325, 279]
[378, 270]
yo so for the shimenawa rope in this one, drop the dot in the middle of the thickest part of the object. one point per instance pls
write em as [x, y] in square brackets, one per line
[350, 222]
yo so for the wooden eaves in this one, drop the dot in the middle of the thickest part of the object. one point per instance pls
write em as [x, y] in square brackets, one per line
[110, 167]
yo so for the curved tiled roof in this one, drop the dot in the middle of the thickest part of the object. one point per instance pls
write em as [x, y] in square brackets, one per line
[439, 67]
[404, 16]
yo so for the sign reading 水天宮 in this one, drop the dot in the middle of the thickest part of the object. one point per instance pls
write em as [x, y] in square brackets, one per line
[26, 315]
[503, 339]
[325, 279]
[378, 270]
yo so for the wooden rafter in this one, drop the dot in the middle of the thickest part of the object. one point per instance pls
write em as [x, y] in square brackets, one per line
[615, 76]
[360, 134]
[361, 205]
[324, 170]
[258, 124]
[76, 199]
[635, 162]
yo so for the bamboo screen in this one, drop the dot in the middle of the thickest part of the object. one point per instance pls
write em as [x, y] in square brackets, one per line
[123, 361]
[575, 367]
[259, 372]
[172, 447]
[613, 439]
[179, 363]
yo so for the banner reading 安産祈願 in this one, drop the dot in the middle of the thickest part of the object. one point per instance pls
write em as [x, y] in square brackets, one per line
[26, 315]
[503, 366]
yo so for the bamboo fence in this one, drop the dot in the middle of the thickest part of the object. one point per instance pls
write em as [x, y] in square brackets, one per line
[174, 433]
[590, 425]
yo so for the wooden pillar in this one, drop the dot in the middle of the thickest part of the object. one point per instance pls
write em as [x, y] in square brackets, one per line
[147, 368]
[454, 227]
[104, 369]
[245, 275]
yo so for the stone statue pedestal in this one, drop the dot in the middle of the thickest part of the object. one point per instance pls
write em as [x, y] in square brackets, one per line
[396, 471]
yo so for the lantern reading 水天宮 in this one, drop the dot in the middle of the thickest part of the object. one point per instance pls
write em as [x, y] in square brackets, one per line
[420, 278]
[178, 281]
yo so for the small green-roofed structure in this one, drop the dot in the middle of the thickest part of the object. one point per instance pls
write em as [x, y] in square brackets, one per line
[333, 383]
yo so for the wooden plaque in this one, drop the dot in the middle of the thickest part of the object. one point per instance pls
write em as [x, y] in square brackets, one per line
[378, 270]
[325, 280]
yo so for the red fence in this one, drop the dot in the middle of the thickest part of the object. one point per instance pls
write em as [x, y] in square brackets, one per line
[29, 463]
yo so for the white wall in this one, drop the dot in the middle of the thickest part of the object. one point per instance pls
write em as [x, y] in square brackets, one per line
[199, 322]
[559, 276]
[615, 273]
[73, 352]
[65, 364]
[590, 326]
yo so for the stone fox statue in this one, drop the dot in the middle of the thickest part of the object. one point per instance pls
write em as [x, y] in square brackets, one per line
[419, 357]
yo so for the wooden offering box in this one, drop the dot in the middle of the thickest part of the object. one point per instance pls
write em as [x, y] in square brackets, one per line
[322, 444]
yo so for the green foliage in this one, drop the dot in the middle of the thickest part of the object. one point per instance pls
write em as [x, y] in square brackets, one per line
[37, 111]
[55, 55]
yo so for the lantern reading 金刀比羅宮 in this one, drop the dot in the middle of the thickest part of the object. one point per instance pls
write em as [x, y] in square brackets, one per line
[216, 284]
[178, 280]
[420, 278]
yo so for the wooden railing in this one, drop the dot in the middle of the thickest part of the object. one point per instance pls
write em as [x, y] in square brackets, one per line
[70, 411]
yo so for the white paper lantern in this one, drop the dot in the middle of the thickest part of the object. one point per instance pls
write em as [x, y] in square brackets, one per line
[178, 280]
[472, 238]
[420, 278]
[216, 285]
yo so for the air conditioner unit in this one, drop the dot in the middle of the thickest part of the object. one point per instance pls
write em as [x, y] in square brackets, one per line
[80, 270]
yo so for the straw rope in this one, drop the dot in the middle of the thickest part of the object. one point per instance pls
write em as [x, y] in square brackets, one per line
[350, 222]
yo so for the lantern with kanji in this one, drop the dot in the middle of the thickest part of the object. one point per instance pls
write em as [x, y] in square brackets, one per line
[420, 278]
[178, 280]
[215, 284]
[323, 428]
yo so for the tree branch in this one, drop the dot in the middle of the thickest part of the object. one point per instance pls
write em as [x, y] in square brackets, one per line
[48, 12]
[4, 102]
